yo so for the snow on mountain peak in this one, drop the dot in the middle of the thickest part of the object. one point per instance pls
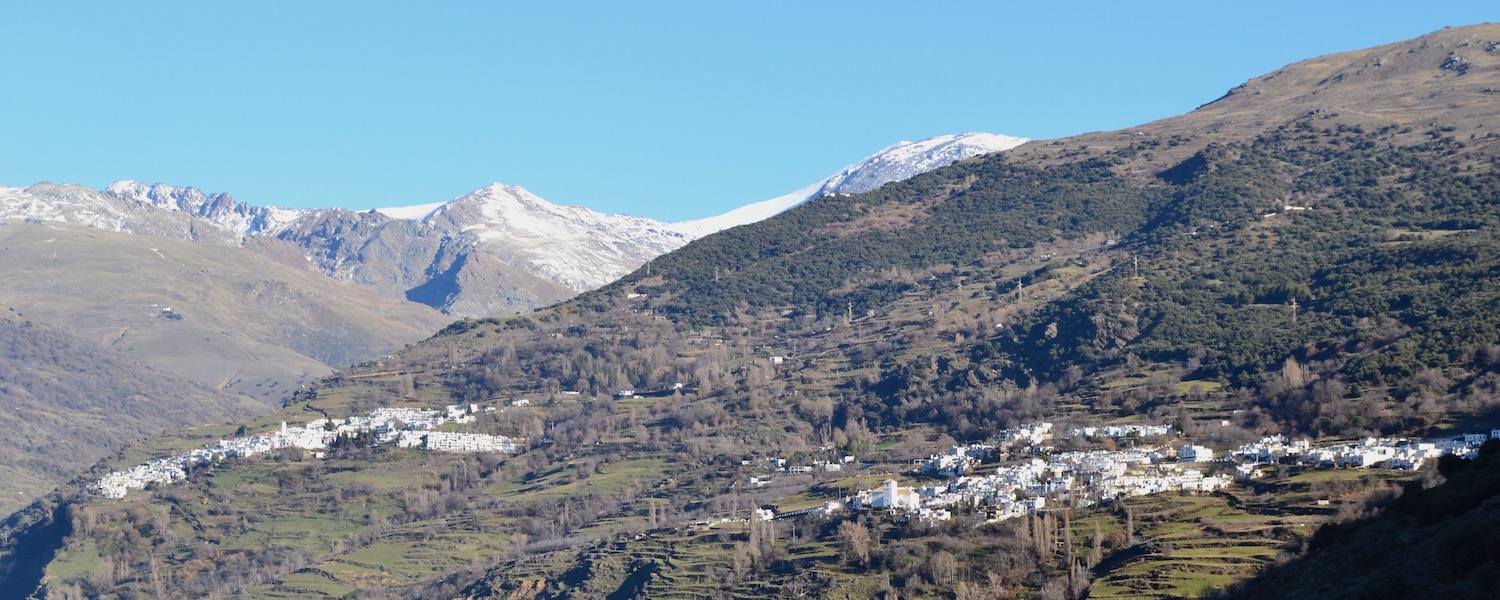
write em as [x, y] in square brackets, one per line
[578, 247]
[902, 160]
[567, 246]
[64, 204]
[186, 199]
[411, 213]
[221, 208]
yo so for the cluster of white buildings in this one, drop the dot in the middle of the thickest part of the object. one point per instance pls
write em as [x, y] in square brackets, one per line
[1085, 477]
[1269, 450]
[1159, 479]
[405, 427]
[1075, 478]
[997, 493]
[160, 471]
[1120, 431]
[958, 461]
[470, 443]
[1026, 435]
[1395, 453]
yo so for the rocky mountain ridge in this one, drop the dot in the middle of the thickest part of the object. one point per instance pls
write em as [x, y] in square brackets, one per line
[497, 250]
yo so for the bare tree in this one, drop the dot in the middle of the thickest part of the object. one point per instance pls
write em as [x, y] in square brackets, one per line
[854, 547]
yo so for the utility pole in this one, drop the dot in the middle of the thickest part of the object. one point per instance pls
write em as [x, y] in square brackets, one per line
[1018, 290]
[849, 316]
[1135, 266]
[1294, 309]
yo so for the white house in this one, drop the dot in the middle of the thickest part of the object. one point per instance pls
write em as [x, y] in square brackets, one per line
[1192, 453]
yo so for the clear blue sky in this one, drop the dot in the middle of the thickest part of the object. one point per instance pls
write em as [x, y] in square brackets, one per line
[671, 110]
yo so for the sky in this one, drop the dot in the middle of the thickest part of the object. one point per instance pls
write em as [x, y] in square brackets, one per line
[669, 110]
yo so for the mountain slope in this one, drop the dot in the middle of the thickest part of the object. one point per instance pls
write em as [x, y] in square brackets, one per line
[1443, 76]
[530, 241]
[214, 314]
[898, 162]
[1322, 270]
[69, 403]
[577, 247]
[79, 205]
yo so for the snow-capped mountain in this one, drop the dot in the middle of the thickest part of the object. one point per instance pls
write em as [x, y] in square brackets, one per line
[79, 205]
[499, 249]
[221, 208]
[158, 210]
[575, 246]
[900, 161]
[63, 203]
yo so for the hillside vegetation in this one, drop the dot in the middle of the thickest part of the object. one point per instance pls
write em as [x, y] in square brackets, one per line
[1308, 255]
[1441, 542]
[69, 404]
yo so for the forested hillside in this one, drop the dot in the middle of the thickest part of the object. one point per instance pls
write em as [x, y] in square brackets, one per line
[1312, 255]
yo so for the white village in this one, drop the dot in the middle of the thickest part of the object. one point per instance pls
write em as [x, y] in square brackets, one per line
[1043, 475]
[1036, 474]
[404, 427]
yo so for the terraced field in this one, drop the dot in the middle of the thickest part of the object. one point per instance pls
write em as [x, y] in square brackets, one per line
[1185, 545]
[679, 564]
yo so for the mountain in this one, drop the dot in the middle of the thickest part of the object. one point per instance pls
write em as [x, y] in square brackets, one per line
[507, 239]
[221, 209]
[1441, 75]
[146, 272]
[497, 250]
[1315, 255]
[142, 315]
[79, 205]
[252, 302]
[897, 162]
[577, 247]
